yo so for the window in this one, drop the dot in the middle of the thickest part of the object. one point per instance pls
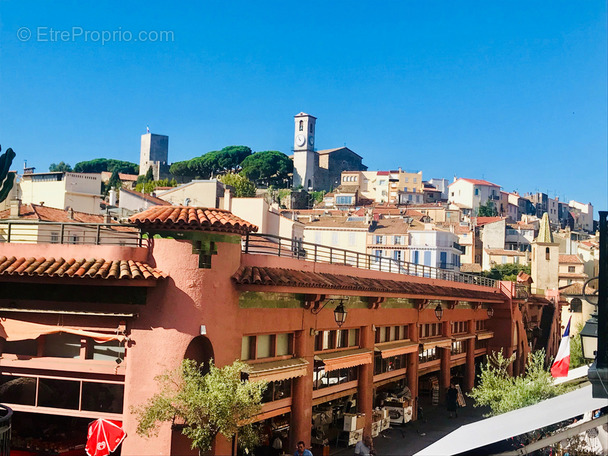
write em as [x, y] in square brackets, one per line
[460, 327]
[266, 346]
[458, 347]
[379, 240]
[322, 378]
[352, 239]
[54, 237]
[416, 257]
[570, 268]
[415, 180]
[397, 240]
[429, 330]
[334, 238]
[443, 259]
[407, 179]
[377, 255]
[344, 200]
[310, 129]
[576, 305]
[301, 125]
[547, 254]
[280, 389]
[476, 192]
[382, 365]
[425, 356]
[397, 255]
[391, 333]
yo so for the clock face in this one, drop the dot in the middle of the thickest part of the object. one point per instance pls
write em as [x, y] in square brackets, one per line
[300, 140]
[311, 140]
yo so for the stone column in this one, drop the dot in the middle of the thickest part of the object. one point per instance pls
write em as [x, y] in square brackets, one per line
[301, 406]
[469, 374]
[445, 354]
[412, 369]
[366, 380]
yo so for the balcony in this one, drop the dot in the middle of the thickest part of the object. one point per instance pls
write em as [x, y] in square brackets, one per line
[34, 232]
[264, 244]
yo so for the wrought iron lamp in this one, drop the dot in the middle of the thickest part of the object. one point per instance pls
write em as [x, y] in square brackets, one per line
[589, 337]
[490, 311]
[339, 312]
[439, 312]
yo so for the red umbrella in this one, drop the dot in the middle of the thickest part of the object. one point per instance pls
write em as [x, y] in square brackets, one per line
[104, 436]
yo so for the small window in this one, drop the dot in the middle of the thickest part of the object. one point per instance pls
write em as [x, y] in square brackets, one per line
[576, 305]
[397, 240]
[310, 129]
[301, 125]
[379, 240]
[570, 268]
[547, 254]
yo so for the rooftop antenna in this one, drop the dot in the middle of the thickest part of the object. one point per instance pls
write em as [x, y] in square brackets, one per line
[147, 128]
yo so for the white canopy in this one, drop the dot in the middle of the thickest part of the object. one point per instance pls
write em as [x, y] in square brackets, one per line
[516, 422]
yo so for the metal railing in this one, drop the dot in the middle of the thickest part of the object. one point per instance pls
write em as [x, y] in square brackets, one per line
[6, 415]
[266, 244]
[36, 232]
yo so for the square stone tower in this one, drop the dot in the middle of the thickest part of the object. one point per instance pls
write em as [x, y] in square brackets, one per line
[154, 154]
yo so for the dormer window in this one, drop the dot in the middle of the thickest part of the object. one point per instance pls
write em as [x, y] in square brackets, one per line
[301, 125]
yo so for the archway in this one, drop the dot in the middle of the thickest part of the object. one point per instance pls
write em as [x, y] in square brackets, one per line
[200, 350]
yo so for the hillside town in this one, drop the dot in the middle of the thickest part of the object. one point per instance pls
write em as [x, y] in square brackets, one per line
[359, 296]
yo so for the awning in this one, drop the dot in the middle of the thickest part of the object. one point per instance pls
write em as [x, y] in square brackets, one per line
[273, 371]
[485, 335]
[345, 358]
[439, 342]
[12, 330]
[517, 422]
[463, 337]
[401, 347]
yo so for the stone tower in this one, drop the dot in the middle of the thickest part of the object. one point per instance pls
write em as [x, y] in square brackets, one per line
[154, 154]
[545, 258]
[305, 159]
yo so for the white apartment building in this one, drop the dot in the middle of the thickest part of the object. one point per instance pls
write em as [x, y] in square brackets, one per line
[61, 190]
[469, 194]
[433, 247]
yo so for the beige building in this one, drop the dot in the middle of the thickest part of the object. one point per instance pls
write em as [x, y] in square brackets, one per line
[469, 194]
[571, 270]
[198, 193]
[495, 257]
[266, 217]
[393, 187]
[61, 190]
[348, 233]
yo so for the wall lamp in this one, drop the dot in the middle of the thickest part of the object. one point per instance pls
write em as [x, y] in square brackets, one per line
[439, 312]
[490, 311]
[339, 312]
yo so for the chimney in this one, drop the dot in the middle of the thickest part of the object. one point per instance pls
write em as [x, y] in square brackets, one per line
[107, 218]
[112, 197]
[227, 199]
[70, 213]
[15, 208]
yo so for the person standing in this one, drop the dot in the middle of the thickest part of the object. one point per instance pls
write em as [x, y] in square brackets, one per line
[452, 401]
[301, 449]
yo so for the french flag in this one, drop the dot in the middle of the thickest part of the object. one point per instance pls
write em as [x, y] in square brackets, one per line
[562, 360]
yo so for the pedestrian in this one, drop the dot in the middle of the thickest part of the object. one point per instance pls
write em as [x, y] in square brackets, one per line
[365, 447]
[452, 401]
[301, 449]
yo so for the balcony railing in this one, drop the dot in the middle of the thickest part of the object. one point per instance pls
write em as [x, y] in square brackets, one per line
[35, 232]
[6, 415]
[265, 244]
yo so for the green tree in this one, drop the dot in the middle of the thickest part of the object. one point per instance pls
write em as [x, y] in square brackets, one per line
[243, 187]
[487, 210]
[507, 271]
[268, 168]
[219, 402]
[7, 179]
[150, 186]
[149, 175]
[61, 166]
[99, 165]
[503, 393]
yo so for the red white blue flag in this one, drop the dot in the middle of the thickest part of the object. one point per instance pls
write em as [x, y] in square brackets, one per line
[562, 360]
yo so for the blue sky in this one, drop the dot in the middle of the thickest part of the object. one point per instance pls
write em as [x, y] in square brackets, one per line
[513, 92]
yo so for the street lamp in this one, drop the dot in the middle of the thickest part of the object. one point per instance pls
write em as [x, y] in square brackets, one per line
[589, 338]
[339, 312]
[439, 312]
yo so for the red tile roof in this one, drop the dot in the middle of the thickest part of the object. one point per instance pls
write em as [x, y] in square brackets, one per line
[92, 268]
[570, 259]
[480, 221]
[52, 214]
[253, 275]
[149, 198]
[192, 218]
[477, 182]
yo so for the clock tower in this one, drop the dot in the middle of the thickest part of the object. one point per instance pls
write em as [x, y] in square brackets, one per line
[305, 159]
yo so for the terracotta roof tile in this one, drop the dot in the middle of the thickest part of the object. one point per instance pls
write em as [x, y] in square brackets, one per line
[192, 218]
[91, 268]
[570, 259]
[253, 275]
[574, 289]
[476, 182]
[505, 252]
[149, 198]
